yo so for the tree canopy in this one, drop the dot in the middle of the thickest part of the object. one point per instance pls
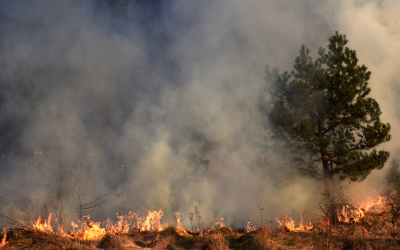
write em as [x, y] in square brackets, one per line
[323, 106]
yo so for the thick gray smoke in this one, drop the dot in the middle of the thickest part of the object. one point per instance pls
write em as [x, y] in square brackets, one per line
[118, 121]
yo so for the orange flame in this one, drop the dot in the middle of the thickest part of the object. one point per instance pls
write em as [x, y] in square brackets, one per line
[152, 221]
[92, 230]
[61, 231]
[45, 226]
[3, 241]
[250, 227]
[219, 223]
[180, 229]
[325, 223]
[289, 225]
[349, 214]
[122, 225]
[89, 230]
[179, 225]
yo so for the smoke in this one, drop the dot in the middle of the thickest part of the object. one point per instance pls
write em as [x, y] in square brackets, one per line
[168, 108]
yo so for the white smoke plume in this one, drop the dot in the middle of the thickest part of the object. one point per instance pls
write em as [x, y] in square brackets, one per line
[148, 120]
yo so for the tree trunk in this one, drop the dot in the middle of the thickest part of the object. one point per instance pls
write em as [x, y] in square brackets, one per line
[329, 185]
[327, 172]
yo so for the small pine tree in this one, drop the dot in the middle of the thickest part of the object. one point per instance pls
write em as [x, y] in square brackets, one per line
[323, 106]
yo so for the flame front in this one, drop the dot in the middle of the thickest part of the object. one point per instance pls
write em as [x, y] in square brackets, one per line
[122, 225]
[45, 226]
[179, 225]
[152, 221]
[180, 229]
[289, 225]
[350, 214]
[89, 230]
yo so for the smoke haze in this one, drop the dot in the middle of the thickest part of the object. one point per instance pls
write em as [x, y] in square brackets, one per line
[171, 107]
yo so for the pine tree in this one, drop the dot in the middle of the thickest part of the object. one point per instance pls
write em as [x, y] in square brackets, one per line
[323, 107]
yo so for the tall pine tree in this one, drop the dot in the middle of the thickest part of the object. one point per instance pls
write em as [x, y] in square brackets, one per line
[323, 106]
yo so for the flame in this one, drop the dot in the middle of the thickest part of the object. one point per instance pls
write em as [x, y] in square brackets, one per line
[250, 227]
[350, 214]
[325, 223]
[3, 241]
[179, 225]
[61, 232]
[309, 224]
[152, 221]
[180, 229]
[289, 225]
[122, 225]
[219, 223]
[45, 226]
[89, 230]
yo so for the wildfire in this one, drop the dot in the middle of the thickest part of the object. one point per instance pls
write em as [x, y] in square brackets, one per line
[3, 241]
[180, 229]
[350, 214]
[179, 225]
[89, 230]
[289, 225]
[61, 231]
[45, 226]
[122, 225]
[250, 227]
[152, 221]
[219, 223]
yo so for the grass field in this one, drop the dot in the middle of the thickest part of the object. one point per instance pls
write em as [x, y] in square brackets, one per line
[371, 232]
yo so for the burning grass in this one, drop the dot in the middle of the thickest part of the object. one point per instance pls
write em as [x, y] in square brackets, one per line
[365, 226]
[322, 236]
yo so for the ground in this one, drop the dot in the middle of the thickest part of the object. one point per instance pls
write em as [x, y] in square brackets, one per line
[372, 232]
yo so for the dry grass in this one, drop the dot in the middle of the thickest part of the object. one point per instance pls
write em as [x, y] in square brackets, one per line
[216, 241]
[373, 232]
[30, 238]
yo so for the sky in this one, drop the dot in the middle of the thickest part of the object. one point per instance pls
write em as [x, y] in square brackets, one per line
[143, 119]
